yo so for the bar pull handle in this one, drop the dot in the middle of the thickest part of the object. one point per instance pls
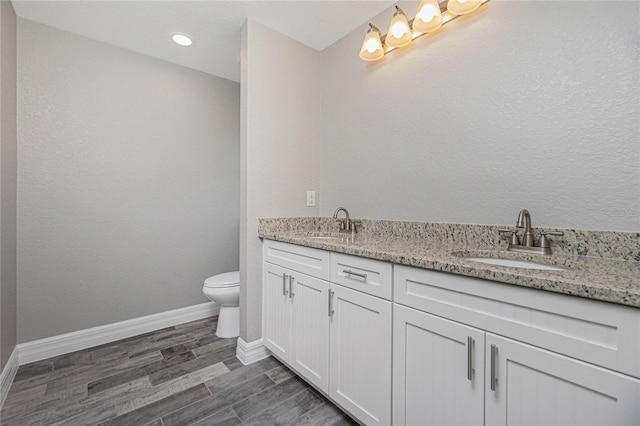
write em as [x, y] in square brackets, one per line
[470, 370]
[291, 278]
[284, 285]
[494, 356]
[355, 274]
[330, 304]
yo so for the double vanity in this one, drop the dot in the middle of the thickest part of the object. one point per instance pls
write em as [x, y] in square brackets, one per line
[421, 324]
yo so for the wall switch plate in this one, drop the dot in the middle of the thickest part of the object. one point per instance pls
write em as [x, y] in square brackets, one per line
[311, 198]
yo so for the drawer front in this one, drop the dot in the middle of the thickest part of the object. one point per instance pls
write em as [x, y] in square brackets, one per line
[600, 333]
[366, 275]
[307, 260]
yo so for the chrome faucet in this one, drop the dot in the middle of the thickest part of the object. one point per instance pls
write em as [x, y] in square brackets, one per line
[528, 243]
[524, 221]
[346, 224]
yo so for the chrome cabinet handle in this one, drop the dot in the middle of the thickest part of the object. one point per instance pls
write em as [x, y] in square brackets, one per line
[355, 274]
[494, 355]
[470, 369]
[291, 278]
[284, 284]
[330, 304]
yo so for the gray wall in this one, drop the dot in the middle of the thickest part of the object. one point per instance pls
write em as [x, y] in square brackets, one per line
[8, 175]
[525, 105]
[128, 182]
[280, 148]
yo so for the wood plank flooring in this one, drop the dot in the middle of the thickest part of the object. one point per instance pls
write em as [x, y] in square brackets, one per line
[182, 375]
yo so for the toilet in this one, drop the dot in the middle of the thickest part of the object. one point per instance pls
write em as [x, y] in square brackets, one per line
[224, 289]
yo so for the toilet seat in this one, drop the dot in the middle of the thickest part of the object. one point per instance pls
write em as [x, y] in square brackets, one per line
[228, 279]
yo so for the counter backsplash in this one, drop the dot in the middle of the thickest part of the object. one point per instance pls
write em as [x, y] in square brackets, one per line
[599, 244]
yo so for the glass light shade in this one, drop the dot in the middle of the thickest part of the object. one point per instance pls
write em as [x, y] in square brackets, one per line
[371, 46]
[428, 18]
[399, 33]
[462, 7]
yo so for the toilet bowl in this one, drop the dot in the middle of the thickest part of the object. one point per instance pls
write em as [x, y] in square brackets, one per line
[224, 289]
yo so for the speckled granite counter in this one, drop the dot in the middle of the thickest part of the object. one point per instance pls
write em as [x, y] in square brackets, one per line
[610, 272]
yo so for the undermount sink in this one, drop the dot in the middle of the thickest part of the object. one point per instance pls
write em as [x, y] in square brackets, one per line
[514, 263]
[326, 236]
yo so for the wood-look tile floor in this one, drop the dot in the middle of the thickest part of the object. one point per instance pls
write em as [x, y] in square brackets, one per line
[182, 375]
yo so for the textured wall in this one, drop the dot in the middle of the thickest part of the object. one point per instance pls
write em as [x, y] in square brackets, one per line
[8, 176]
[280, 112]
[128, 193]
[525, 105]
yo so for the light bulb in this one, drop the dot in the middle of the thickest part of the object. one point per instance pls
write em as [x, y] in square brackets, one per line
[399, 29]
[371, 45]
[399, 33]
[427, 13]
[428, 18]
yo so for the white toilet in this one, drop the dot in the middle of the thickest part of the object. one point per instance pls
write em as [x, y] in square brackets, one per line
[224, 289]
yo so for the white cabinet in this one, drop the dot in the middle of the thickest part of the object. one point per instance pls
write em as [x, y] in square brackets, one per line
[514, 382]
[337, 338]
[360, 355]
[296, 319]
[463, 351]
[438, 371]
[538, 387]
[276, 329]
[447, 373]
[310, 329]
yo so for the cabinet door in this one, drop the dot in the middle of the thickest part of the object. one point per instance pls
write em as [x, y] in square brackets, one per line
[310, 329]
[276, 327]
[360, 355]
[438, 375]
[537, 387]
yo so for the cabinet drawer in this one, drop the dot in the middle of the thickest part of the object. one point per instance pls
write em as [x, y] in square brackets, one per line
[366, 275]
[597, 332]
[307, 260]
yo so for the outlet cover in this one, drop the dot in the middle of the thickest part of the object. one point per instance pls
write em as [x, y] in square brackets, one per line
[311, 198]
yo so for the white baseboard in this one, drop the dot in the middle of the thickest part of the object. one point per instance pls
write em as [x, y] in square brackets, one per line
[64, 343]
[251, 352]
[8, 374]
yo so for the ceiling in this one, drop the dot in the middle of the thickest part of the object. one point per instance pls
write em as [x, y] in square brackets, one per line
[146, 26]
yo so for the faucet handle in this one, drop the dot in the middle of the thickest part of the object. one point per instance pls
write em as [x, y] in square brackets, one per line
[513, 241]
[544, 241]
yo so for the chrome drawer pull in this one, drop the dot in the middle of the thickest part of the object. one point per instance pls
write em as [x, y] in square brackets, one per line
[284, 284]
[494, 355]
[470, 369]
[291, 278]
[355, 274]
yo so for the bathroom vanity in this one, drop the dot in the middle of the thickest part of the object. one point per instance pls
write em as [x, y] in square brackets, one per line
[452, 341]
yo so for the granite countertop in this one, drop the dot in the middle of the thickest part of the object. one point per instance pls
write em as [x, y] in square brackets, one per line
[610, 280]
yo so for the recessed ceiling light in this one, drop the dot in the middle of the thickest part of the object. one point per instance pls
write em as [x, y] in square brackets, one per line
[182, 39]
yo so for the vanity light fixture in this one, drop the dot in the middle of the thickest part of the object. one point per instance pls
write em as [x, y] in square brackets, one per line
[182, 39]
[431, 15]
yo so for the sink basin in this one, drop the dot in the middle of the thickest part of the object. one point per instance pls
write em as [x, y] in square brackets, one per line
[514, 263]
[326, 236]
